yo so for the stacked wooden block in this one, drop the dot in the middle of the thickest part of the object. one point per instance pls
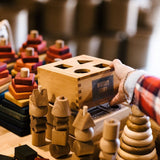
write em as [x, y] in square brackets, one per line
[15, 104]
[38, 108]
[36, 41]
[57, 51]
[29, 59]
[109, 141]
[5, 78]
[61, 112]
[137, 140]
[83, 146]
[7, 54]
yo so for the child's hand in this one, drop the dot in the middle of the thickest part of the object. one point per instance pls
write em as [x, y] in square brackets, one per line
[121, 72]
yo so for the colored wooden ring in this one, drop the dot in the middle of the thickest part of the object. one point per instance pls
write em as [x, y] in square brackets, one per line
[138, 128]
[137, 143]
[137, 135]
[109, 146]
[137, 150]
[139, 120]
[129, 156]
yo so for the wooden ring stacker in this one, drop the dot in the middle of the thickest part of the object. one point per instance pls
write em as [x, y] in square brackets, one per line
[129, 156]
[139, 120]
[136, 143]
[111, 129]
[109, 146]
[137, 135]
[137, 150]
[138, 128]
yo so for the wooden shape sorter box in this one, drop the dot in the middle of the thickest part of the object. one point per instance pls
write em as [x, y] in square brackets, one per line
[84, 80]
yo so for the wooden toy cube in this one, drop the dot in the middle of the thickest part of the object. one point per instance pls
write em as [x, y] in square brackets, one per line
[84, 80]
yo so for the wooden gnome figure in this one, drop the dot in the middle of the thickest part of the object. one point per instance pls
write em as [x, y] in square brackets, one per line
[83, 146]
[61, 111]
[38, 107]
[137, 140]
[109, 142]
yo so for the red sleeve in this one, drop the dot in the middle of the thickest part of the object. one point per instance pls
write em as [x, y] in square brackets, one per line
[147, 96]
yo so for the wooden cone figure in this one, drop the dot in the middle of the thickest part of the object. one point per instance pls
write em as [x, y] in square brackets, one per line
[137, 140]
[110, 139]
[84, 132]
[61, 113]
[38, 107]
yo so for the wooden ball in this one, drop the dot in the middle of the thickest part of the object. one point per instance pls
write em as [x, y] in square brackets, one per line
[84, 135]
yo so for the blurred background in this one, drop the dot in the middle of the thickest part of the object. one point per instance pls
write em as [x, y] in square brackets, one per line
[109, 29]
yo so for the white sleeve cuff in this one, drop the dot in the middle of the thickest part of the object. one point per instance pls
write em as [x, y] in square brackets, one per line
[130, 83]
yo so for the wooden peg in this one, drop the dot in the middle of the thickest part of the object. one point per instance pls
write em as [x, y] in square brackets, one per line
[111, 129]
[85, 110]
[61, 107]
[3, 41]
[34, 33]
[24, 72]
[59, 43]
[29, 51]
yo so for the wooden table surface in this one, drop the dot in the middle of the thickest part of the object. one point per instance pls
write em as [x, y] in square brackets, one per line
[10, 140]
